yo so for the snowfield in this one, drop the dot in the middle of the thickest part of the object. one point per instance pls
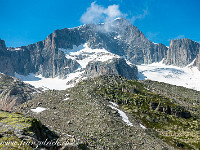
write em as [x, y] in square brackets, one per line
[188, 76]
[50, 83]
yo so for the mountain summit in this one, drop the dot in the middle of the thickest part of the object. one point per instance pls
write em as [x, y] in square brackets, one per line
[46, 58]
[119, 37]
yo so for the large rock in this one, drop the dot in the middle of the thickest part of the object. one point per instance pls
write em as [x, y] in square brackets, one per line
[116, 66]
[14, 92]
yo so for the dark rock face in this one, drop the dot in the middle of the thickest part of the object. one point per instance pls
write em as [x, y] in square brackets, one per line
[2, 45]
[40, 58]
[14, 92]
[182, 52]
[116, 66]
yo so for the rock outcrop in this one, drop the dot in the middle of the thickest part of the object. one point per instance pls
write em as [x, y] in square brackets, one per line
[20, 132]
[2, 45]
[183, 52]
[116, 66]
[14, 92]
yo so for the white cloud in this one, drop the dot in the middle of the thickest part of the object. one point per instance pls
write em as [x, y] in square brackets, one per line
[138, 16]
[96, 13]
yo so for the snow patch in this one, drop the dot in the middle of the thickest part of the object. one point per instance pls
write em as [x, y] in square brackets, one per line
[143, 127]
[67, 98]
[38, 109]
[17, 49]
[122, 114]
[114, 104]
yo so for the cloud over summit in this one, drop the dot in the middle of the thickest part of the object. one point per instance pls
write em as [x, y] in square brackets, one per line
[96, 13]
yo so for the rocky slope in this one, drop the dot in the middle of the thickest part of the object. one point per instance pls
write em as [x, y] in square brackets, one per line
[182, 96]
[88, 113]
[14, 92]
[91, 118]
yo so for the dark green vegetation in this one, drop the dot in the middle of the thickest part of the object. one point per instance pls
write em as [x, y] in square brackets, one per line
[18, 132]
[188, 98]
[171, 119]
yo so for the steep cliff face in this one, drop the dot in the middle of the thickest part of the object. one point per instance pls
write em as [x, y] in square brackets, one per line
[182, 52]
[116, 66]
[5, 57]
[197, 61]
[40, 58]
[118, 37]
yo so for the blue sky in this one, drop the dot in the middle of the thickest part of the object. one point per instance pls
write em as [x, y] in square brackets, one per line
[23, 22]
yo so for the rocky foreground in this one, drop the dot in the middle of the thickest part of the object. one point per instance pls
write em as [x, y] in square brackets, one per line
[91, 115]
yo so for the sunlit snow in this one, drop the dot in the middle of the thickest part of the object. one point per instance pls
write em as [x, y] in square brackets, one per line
[188, 77]
[38, 109]
[122, 114]
[83, 54]
[50, 83]
[143, 127]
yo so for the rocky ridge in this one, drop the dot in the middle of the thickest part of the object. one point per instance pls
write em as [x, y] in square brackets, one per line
[117, 36]
[86, 115]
